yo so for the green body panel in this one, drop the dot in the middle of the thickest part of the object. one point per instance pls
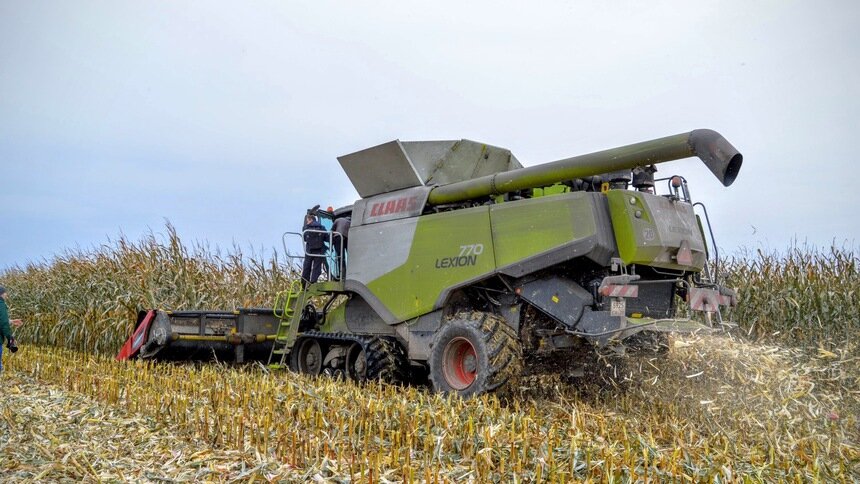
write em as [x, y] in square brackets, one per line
[452, 249]
[335, 320]
[550, 190]
[526, 228]
[448, 249]
[655, 236]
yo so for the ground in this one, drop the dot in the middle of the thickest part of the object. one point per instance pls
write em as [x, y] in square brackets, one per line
[51, 435]
[711, 408]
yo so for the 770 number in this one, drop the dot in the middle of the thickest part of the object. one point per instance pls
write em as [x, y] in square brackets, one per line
[471, 249]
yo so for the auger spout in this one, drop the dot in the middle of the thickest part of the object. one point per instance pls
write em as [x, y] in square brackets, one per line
[723, 159]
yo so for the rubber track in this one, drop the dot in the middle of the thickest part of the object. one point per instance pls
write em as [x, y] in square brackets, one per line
[386, 359]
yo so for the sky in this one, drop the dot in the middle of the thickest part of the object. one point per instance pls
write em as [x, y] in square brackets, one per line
[226, 118]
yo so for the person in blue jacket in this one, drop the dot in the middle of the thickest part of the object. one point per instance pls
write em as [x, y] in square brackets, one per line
[5, 328]
[314, 235]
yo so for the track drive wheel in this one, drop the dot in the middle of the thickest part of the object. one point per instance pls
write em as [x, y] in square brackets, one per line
[307, 357]
[377, 359]
[474, 353]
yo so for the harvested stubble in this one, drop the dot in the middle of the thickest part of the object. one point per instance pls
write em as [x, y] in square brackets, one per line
[51, 435]
[712, 409]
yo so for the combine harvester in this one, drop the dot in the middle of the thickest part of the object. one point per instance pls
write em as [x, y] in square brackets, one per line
[465, 265]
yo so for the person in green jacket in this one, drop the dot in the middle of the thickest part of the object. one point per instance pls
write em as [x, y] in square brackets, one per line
[5, 329]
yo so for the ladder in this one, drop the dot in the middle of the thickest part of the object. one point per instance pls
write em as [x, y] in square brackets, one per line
[286, 303]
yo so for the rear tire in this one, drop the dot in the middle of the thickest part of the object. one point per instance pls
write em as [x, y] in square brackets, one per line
[475, 353]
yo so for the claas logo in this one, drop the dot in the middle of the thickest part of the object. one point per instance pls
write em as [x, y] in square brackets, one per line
[395, 205]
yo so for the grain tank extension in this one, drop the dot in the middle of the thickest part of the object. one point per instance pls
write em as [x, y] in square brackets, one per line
[463, 264]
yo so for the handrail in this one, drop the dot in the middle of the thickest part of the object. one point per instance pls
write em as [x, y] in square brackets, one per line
[713, 242]
[335, 251]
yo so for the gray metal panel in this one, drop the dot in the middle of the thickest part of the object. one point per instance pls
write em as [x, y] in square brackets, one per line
[363, 319]
[600, 326]
[371, 300]
[558, 297]
[358, 209]
[675, 223]
[377, 249]
[656, 300]
[468, 159]
[604, 248]
[257, 323]
[419, 334]
[427, 155]
[380, 169]
[396, 165]
[404, 203]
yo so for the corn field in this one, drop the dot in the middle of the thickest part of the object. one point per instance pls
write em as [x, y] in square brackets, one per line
[88, 300]
[805, 297]
[778, 401]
